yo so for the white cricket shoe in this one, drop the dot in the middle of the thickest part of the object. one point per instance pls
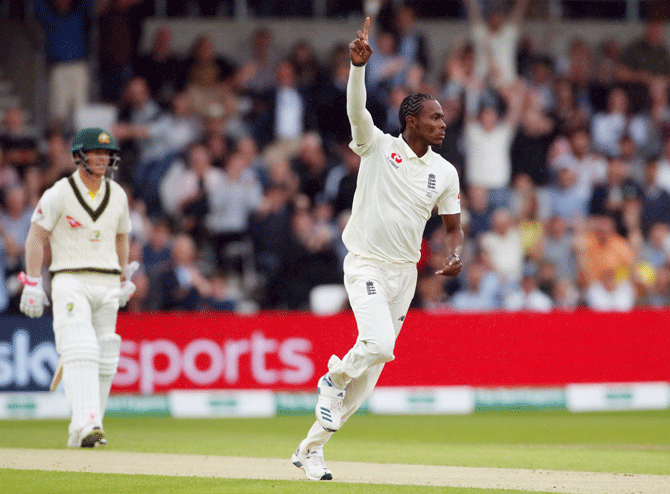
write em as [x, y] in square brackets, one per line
[329, 405]
[312, 462]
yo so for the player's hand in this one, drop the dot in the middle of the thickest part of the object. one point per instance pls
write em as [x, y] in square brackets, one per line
[452, 266]
[360, 49]
[126, 291]
[33, 297]
[127, 288]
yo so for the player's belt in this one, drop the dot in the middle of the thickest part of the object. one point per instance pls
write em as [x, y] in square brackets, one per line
[87, 270]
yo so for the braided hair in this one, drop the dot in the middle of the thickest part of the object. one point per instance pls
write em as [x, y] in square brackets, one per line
[411, 105]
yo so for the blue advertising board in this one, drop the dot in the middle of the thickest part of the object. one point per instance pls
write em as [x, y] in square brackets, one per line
[28, 356]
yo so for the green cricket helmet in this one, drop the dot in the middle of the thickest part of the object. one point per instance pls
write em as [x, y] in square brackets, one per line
[94, 138]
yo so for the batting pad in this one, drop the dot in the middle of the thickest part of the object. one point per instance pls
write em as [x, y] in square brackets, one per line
[110, 348]
[81, 355]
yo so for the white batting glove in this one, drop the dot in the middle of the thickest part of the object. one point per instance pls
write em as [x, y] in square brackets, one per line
[128, 287]
[33, 297]
[125, 292]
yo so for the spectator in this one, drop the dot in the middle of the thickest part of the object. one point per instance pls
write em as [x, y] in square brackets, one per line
[57, 162]
[591, 168]
[257, 72]
[601, 249]
[531, 144]
[612, 197]
[607, 294]
[160, 66]
[281, 113]
[66, 25]
[482, 292]
[663, 172]
[231, 203]
[607, 128]
[558, 248]
[202, 74]
[656, 249]
[488, 142]
[565, 295]
[223, 296]
[644, 61]
[268, 226]
[8, 174]
[162, 140]
[119, 27]
[412, 43]
[481, 209]
[566, 197]
[307, 260]
[156, 253]
[18, 141]
[386, 68]
[4, 295]
[496, 41]
[528, 297]
[312, 165]
[655, 200]
[182, 286]
[503, 247]
[341, 180]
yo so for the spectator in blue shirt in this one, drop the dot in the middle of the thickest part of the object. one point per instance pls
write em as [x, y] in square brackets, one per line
[67, 43]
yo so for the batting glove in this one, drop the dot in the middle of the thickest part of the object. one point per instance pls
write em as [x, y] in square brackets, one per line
[33, 298]
[125, 292]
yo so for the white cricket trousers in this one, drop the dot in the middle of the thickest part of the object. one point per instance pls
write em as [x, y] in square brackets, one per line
[84, 314]
[380, 294]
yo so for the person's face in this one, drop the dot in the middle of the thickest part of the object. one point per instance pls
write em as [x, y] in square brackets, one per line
[98, 161]
[488, 118]
[581, 143]
[496, 20]
[430, 123]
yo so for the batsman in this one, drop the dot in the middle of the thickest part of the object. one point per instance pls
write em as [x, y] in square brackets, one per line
[84, 218]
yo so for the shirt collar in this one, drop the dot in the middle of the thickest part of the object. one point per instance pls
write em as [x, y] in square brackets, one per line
[82, 186]
[425, 159]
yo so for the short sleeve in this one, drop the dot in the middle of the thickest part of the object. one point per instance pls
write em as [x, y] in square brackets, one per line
[48, 209]
[125, 225]
[450, 200]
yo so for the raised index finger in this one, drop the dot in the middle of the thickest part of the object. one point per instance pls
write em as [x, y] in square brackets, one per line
[367, 28]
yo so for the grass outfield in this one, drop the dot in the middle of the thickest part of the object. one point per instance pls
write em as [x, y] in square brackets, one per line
[626, 442]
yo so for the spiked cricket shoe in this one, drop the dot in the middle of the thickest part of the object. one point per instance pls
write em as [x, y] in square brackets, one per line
[329, 405]
[312, 462]
[90, 439]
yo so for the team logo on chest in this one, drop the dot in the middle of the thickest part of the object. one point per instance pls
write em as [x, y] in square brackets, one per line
[395, 159]
[73, 223]
[431, 185]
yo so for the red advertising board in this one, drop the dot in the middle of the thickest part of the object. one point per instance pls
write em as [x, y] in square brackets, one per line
[289, 351]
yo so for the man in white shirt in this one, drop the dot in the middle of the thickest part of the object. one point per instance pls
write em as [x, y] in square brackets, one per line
[496, 42]
[85, 219]
[399, 183]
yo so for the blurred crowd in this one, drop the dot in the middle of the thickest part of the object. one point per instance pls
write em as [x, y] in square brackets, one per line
[240, 177]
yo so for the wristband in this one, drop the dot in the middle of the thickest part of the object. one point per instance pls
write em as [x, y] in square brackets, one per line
[458, 258]
[358, 64]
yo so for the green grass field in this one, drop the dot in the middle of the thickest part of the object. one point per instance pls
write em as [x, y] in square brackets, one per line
[626, 442]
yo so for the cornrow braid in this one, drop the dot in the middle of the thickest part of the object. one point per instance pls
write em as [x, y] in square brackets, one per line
[411, 105]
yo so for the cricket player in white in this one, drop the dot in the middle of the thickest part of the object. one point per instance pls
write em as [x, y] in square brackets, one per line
[85, 220]
[399, 183]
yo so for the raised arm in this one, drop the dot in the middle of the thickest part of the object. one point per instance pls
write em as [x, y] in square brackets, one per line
[362, 126]
[473, 10]
[519, 11]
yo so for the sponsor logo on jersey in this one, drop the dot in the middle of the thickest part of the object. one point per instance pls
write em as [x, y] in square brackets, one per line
[95, 236]
[39, 208]
[395, 160]
[73, 223]
[104, 138]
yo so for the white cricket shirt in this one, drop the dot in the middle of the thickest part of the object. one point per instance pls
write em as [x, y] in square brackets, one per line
[396, 192]
[83, 230]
